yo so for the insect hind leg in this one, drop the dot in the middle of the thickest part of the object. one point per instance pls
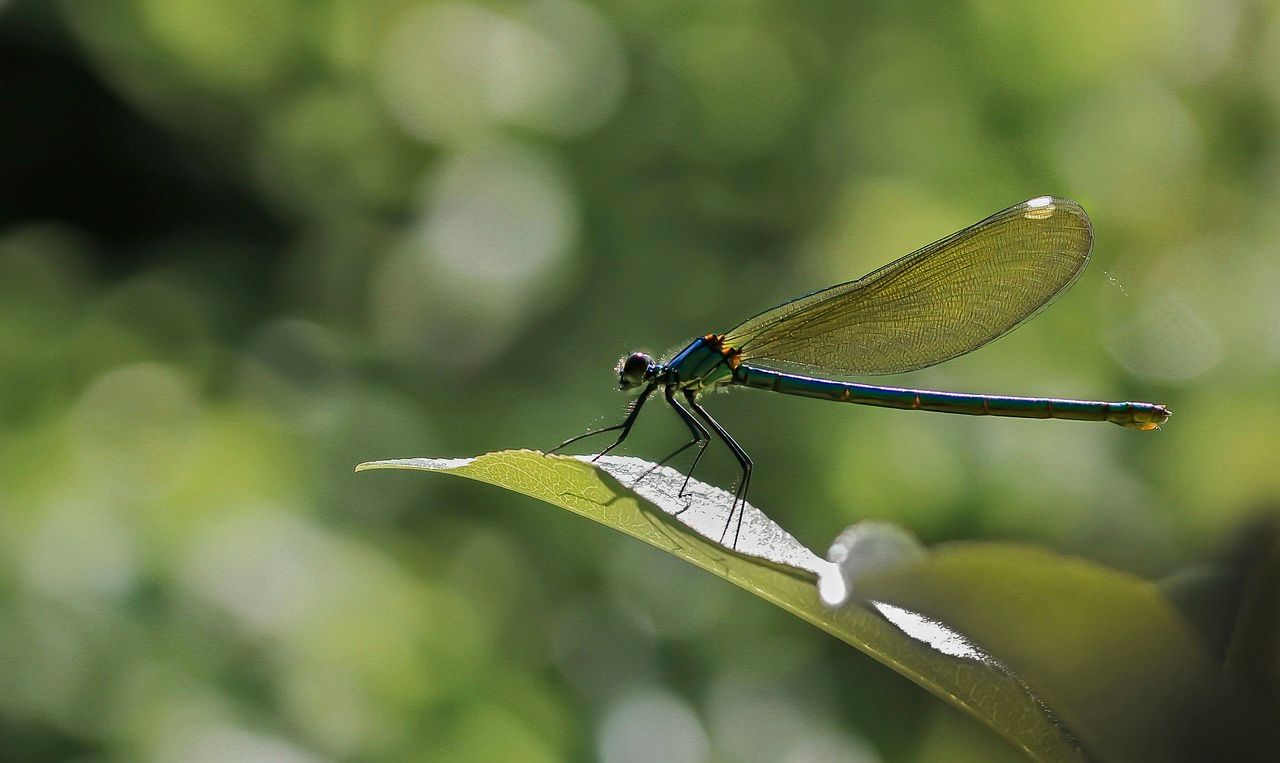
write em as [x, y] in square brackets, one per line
[700, 438]
[739, 504]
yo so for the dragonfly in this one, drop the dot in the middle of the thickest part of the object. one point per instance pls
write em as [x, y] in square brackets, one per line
[937, 303]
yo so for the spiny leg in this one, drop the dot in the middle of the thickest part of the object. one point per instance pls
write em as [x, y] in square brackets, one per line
[631, 419]
[633, 410]
[696, 429]
[702, 448]
[739, 495]
[692, 396]
[583, 436]
[700, 438]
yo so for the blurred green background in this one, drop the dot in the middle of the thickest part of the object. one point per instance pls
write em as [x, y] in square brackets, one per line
[246, 245]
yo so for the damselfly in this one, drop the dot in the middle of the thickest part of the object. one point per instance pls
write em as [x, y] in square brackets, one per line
[949, 298]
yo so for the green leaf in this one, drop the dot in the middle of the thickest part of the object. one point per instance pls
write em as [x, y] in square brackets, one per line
[1065, 659]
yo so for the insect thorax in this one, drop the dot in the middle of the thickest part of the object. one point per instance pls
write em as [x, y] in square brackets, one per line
[706, 362]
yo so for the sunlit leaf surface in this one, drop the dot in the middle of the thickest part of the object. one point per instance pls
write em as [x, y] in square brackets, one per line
[1065, 659]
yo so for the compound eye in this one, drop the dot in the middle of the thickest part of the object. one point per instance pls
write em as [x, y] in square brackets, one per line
[632, 369]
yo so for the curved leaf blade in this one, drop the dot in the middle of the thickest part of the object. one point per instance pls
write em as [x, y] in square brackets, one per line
[772, 565]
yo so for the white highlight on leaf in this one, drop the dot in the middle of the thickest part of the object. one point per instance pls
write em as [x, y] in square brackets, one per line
[702, 508]
[931, 632]
[832, 590]
[442, 464]
[705, 509]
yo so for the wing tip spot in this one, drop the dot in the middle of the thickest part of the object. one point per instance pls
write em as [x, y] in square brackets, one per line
[1040, 208]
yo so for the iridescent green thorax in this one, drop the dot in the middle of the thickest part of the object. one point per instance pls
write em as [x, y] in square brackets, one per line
[706, 362]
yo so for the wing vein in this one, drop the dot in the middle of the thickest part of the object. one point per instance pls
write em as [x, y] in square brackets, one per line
[944, 300]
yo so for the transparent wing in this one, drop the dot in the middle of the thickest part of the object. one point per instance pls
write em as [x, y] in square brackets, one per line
[944, 300]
